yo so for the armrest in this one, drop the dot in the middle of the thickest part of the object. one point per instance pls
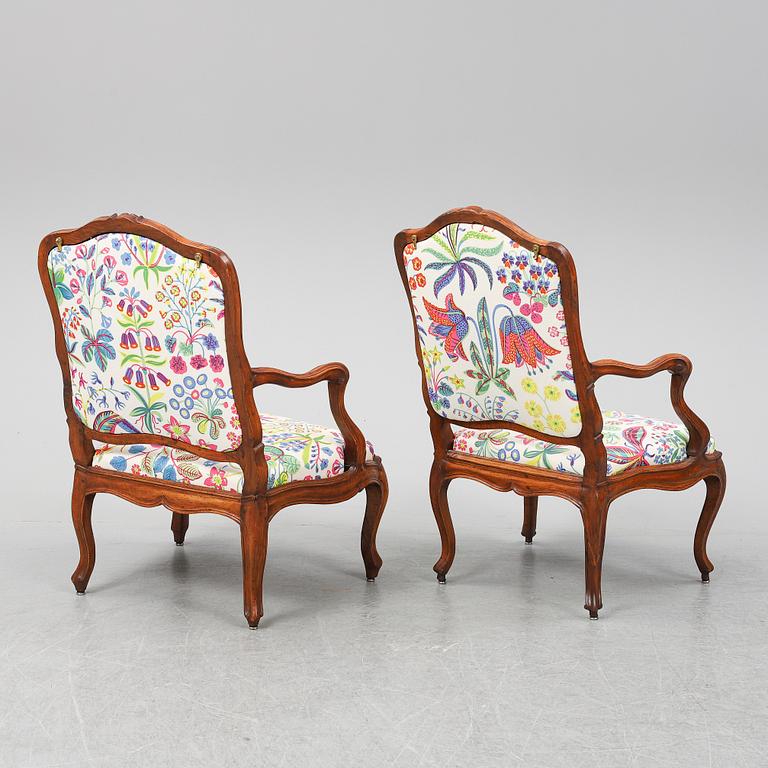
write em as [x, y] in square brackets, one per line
[328, 372]
[680, 367]
[337, 376]
[675, 363]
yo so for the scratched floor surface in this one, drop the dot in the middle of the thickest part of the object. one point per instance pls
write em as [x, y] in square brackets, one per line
[501, 667]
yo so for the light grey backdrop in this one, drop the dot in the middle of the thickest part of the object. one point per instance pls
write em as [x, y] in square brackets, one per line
[301, 138]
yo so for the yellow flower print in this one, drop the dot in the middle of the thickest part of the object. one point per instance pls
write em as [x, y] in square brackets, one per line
[551, 392]
[457, 381]
[533, 408]
[538, 424]
[529, 385]
[576, 414]
[556, 423]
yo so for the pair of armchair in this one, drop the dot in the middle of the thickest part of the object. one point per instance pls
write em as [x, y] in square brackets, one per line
[149, 339]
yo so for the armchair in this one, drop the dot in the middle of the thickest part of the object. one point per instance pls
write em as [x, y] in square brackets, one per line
[148, 335]
[509, 390]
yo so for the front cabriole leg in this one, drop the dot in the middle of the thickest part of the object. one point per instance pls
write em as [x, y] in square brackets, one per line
[594, 514]
[82, 505]
[530, 508]
[715, 491]
[438, 494]
[376, 494]
[254, 524]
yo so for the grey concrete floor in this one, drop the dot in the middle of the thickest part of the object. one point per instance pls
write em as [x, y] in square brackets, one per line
[501, 667]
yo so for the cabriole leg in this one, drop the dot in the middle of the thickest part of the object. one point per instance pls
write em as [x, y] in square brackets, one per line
[438, 494]
[376, 500]
[715, 492]
[254, 524]
[82, 505]
[179, 525]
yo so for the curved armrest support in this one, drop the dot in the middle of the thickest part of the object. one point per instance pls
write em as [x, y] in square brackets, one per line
[680, 367]
[337, 376]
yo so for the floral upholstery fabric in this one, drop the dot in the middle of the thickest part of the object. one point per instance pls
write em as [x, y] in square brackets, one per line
[294, 451]
[630, 441]
[492, 330]
[144, 329]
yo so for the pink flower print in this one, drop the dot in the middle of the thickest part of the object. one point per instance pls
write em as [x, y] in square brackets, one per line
[217, 363]
[109, 261]
[198, 362]
[121, 277]
[217, 479]
[564, 341]
[178, 365]
[560, 315]
[218, 382]
[177, 430]
[553, 331]
[534, 310]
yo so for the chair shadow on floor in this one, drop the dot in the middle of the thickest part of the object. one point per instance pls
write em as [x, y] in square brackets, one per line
[210, 561]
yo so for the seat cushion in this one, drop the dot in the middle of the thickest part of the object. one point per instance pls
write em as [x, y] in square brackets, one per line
[630, 441]
[294, 451]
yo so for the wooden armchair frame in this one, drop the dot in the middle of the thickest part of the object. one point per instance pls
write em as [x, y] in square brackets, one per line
[256, 505]
[595, 490]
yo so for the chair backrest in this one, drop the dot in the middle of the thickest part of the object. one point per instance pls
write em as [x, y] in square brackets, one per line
[148, 335]
[495, 314]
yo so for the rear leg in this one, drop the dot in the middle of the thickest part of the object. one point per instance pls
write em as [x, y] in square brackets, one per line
[179, 525]
[530, 508]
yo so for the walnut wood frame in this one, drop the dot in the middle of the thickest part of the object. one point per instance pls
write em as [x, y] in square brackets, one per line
[256, 505]
[593, 492]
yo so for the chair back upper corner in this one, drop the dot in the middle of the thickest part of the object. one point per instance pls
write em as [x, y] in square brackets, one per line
[496, 318]
[147, 333]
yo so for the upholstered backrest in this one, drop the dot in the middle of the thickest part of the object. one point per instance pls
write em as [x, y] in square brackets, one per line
[492, 329]
[144, 334]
